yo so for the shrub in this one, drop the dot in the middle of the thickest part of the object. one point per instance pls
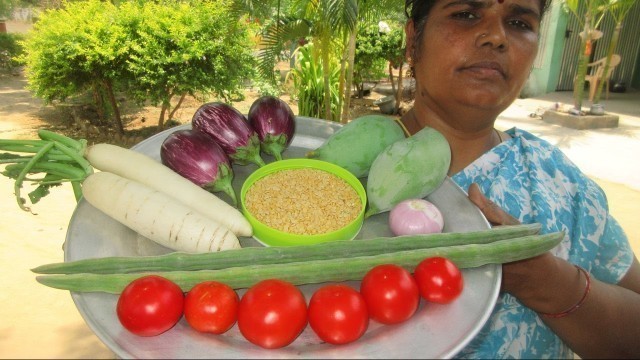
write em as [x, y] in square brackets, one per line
[308, 81]
[151, 51]
[11, 50]
[369, 61]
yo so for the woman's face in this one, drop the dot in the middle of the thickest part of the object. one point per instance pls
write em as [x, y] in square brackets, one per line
[475, 54]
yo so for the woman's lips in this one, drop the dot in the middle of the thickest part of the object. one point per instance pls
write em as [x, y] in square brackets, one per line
[486, 69]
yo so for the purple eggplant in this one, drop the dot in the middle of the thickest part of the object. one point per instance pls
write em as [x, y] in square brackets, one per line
[197, 157]
[231, 130]
[275, 124]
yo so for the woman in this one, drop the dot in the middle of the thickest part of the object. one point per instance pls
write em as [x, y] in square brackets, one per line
[470, 58]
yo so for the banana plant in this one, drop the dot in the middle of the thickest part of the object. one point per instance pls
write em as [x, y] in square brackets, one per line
[366, 10]
[332, 27]
[618, 9]
[590, 20]
[321, 21]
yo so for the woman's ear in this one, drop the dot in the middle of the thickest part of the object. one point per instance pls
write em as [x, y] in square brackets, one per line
[410, 33]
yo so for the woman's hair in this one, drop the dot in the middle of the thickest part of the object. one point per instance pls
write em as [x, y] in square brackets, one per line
[418, 11]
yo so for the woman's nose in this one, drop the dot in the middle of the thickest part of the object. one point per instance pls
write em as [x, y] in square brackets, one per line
[493, 35]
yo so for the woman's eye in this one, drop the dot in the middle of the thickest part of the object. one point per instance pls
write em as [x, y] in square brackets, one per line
[520, 25]
[466, 15]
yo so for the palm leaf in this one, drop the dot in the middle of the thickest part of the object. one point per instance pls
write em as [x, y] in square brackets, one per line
[275, 37]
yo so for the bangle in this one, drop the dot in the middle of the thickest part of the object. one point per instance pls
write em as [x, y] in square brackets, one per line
[579, 303]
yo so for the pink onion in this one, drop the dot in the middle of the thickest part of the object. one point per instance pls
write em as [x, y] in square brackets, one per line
[415, 216]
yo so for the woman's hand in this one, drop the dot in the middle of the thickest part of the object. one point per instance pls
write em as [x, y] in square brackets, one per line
[530, 280]
[494, 214]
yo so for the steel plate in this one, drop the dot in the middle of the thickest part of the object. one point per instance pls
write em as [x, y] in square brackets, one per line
[436, 331]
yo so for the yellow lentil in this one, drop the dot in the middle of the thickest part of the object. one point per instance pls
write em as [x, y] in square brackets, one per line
[303, 201]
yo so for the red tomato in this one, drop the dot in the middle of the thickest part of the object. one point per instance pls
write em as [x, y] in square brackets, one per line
[150, 305]
[439, 279]
[391, 294]
[211, 307]
[272, 314]
[338, 314]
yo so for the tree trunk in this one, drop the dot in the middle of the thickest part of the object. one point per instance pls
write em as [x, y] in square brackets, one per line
[99, 100]
[343, 69]
[610, 51]
[326, 71]
[391, 78]
[400, 91]
[163, 111]
[346, 108]
[585, 48]
[173, 112]
[114, 105]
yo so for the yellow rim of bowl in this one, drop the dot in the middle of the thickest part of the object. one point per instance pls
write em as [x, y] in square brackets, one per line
[291, 164]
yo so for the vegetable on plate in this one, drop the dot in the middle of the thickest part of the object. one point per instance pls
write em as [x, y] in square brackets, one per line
[211, 307]
[150, 305]
[357, 143]
[333, 268]
[60, 159]
[410, 168]
[274, 254]
[197, 157]
[156, 215]
[415, 216]
[144, 169]
[274, 122]
[439, 280]
[231, 130]
[338, 314]
[272, 313]
[391, 293]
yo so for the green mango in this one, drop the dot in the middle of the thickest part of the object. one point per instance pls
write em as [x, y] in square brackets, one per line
[356, 144]
[410, 168]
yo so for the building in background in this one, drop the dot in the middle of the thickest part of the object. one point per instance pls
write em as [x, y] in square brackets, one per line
[557, 61]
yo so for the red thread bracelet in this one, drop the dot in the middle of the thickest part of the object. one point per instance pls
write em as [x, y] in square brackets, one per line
[579, 303]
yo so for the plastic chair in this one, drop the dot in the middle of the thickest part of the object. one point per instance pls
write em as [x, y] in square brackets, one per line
[595, 71]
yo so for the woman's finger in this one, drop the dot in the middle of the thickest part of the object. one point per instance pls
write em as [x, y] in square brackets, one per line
[491, 211]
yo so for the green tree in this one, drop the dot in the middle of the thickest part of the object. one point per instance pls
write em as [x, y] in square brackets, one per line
[332, 26]
[6, 8]
[393, 46]
[153, 51]
[618, 9]
[330, 19]
[76, 49]
[10, 50]
[594, 11]
[185, 48]
[366, 11]
[369, 62]
[309, 85]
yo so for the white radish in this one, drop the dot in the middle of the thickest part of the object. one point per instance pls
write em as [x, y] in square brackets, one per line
[144, 169]
[155, 215]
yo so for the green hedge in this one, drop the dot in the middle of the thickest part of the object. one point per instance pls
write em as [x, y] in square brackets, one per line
[10, 49]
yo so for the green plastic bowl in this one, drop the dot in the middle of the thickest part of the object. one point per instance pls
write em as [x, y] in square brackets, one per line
[269, 236]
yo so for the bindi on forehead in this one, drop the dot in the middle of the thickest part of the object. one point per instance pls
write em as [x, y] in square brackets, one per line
[500, 1]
